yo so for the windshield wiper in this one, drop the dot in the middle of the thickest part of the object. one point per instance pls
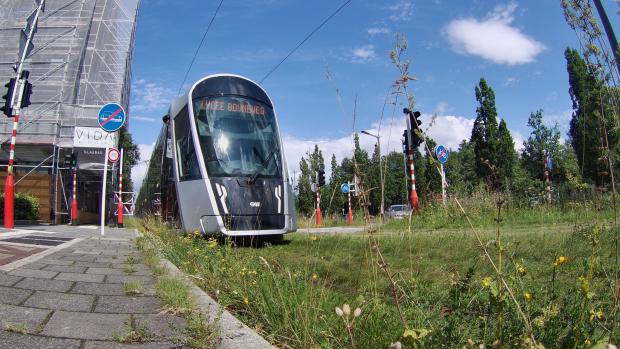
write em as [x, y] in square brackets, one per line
[262, 165]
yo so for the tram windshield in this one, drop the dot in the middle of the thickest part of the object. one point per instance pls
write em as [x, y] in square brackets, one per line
[238, 137]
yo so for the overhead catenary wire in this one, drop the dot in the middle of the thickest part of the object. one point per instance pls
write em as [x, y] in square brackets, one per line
[305, 39]
[204, 36]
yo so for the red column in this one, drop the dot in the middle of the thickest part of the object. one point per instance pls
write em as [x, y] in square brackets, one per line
[9, 184]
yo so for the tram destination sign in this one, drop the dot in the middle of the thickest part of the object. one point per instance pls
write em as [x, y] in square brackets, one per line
[111, 117]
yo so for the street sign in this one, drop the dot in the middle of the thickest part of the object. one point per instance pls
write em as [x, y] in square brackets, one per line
[441, 153]
[113, 155]
[345, 188]
[111, 117]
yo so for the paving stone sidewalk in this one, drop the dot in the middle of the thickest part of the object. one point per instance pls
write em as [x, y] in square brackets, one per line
[74, 297]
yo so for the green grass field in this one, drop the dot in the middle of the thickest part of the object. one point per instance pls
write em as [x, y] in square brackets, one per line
[435, 272]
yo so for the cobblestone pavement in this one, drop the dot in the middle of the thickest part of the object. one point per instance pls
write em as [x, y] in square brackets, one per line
[74, 296]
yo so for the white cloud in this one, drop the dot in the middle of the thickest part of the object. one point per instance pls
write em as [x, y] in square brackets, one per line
[511, 81]
[493, 38]
[149, 97]
[442, 107]
[144, 118]
[378, 30]
[401, 11]
[363, 54]
[138, 172]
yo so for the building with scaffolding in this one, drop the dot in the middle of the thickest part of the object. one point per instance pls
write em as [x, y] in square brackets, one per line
[81, 60]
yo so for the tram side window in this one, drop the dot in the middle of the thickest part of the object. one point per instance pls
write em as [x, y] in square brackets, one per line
[186, 153]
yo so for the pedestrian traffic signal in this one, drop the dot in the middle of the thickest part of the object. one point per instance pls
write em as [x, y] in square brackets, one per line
[7, 109]
[320, 178]
[26, 94]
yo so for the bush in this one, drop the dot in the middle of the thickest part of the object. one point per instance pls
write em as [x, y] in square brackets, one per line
[26, 207]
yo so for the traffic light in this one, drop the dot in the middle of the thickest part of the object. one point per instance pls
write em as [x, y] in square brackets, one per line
[405, 142]
[320, 178]
[8, 98]
[26, 94]
[416, 139]
[71, 161]
[414, 118]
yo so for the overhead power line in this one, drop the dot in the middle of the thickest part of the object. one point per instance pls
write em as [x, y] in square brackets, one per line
[204, 36]
[305, 39]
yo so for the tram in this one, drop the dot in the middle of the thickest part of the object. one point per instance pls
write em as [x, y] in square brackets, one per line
[218, 165]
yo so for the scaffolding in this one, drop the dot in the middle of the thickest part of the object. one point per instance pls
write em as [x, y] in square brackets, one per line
[81, 60]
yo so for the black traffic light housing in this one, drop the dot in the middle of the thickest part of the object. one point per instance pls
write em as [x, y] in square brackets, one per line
[320, 178]
[8, 97]
[405, 142]
[26, 94]
[414, 121]
[71, 161]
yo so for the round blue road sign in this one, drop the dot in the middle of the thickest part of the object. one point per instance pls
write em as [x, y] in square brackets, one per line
[441, 153]
[111, 117]
[345, 188]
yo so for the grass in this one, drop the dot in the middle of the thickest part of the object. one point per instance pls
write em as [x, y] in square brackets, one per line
[132, 288]
[136, 333]
[16, 328]
[174, 294]
[448, 292]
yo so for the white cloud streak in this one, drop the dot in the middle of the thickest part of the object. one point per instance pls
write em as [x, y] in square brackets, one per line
[363, 54]
[401, 11]
[493, 38]
[149, 97]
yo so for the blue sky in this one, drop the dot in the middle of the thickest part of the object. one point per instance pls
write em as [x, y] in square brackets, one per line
[517, 46]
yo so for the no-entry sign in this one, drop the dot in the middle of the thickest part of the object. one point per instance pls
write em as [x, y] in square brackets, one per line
[113, 155]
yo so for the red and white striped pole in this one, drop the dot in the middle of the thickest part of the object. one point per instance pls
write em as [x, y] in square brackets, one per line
[9, 184]
[318, 206]
[74, 206]
[413, 197]
[120, 192]
[350, 214]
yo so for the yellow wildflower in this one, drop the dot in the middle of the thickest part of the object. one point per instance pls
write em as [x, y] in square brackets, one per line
[560, 260]
[587, 342]
[486, 282]
[527, 296]
[315, 277]
[598, 314]
[313, 238]
[212, 243]
[520, 269]
[246, 301]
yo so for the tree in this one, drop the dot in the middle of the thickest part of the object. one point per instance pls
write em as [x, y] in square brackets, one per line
[542, 141]
[593, 127]
[506, 155]
[484, 132]
[131, 155]
[432, 178]
[461, 169]
[395, 179]
[373, 182]
[305, 196]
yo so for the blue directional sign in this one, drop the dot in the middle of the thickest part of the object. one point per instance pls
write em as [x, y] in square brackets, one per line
[441, 153]
[111, 117]
[345, 188]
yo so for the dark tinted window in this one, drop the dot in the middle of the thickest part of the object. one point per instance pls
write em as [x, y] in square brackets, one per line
[187, 161]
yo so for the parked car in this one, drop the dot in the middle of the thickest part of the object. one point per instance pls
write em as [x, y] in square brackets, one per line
[398, 211]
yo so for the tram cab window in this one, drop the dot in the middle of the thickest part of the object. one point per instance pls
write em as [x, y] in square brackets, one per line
[238, 137]
[186, 152]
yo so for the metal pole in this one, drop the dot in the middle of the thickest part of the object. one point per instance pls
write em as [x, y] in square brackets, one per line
[120, 192]
[9, 185]
[350, 214]
[443, 185]
[74, 206]
[103, 191]
[382, 180]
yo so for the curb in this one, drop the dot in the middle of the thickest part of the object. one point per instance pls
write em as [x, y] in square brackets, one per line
[233, 333]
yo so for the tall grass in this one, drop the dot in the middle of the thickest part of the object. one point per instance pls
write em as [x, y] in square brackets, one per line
[448, 294]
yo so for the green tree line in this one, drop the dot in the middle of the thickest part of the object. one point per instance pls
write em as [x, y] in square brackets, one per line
[487, 161]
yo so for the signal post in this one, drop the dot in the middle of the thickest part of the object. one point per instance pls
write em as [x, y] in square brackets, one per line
[320, 182]
[411, 142]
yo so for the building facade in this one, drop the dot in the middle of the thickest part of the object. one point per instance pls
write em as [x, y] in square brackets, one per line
[80, 61]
